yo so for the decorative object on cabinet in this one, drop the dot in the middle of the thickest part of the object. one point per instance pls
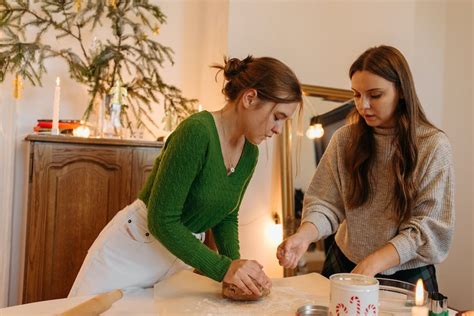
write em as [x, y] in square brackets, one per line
[65, 126]
[76, 185]
[126, 50]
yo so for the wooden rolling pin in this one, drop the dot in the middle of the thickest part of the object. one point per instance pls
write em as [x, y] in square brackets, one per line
[96, 305]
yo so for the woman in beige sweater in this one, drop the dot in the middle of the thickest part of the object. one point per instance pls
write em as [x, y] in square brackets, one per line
[384, 185]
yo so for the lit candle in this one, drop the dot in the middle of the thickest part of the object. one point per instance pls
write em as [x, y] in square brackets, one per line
[199, 107]
[57, 95]
[420, 309]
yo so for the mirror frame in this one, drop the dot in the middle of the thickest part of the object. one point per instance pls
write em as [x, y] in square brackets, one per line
[286, 159]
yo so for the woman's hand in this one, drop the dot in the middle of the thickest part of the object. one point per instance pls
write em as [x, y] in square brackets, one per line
[292, 249]
[378, 261]
[366, 267]
[241, 272]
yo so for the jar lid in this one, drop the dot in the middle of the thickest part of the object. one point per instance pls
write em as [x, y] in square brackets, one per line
[313, 310]
[354, 280]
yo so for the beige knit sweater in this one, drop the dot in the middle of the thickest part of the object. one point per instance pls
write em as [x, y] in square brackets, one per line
[424, 239]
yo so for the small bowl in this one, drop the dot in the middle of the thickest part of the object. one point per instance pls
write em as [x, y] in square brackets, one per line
[313, 310]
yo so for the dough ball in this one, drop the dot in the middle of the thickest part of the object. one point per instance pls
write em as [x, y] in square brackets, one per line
[232, 292]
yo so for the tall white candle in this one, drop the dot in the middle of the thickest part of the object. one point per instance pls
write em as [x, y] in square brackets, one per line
[420, 309]
[100, 118]
[57, 96]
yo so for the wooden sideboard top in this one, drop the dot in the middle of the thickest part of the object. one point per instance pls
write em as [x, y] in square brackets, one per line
[92, 140]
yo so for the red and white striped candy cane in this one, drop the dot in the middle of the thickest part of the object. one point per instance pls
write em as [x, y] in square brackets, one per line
[351, 301]
[340, 307]
[370, 308]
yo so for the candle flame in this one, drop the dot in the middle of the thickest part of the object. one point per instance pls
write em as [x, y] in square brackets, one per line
[420, 292]
[57, 81]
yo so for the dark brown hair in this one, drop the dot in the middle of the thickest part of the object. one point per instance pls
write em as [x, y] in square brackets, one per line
[273, 80]
[388, 63]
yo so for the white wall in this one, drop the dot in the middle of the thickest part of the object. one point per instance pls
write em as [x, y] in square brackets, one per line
[457, 272]
[7, 174]
[320, 39]
[197, 32]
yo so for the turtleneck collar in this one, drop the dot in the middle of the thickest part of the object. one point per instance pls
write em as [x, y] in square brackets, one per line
[421, 131]
[385, 131]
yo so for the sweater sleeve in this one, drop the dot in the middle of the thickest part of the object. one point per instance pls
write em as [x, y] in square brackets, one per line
[323, 204]
[427, 235]
[226, 233]
[226, 236]
[181, 160]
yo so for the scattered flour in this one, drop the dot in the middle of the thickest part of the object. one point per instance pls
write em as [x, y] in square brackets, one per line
[281, 301]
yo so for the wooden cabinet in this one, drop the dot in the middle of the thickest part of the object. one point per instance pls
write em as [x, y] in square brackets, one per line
[76, 186]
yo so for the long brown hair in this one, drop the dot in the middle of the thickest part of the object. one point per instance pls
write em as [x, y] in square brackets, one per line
[273, 80]
[388, 63]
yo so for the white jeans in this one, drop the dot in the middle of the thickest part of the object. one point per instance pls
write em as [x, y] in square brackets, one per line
[125, 255]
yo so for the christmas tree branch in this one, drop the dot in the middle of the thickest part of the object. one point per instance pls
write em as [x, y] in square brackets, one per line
[129, 52]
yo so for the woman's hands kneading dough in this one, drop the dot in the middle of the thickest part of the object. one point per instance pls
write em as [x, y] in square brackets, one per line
[245, 280]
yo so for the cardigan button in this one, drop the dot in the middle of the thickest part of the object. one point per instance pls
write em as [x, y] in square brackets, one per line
[147, 234]
[129, 221]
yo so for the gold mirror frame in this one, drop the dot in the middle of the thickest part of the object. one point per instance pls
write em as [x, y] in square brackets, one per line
[287, 189]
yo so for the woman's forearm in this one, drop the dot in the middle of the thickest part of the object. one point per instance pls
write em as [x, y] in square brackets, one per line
[382, 259]
[308, 232]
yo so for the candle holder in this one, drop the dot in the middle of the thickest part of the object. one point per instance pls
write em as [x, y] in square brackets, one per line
[438, 304]
[397, 297]
[117, 95]
[353, 294]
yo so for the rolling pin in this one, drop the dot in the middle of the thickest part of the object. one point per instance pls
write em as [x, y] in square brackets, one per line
[94, 306]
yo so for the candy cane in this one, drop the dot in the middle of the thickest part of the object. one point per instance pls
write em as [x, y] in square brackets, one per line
[372, 308]
[339, 307]
[356, 298]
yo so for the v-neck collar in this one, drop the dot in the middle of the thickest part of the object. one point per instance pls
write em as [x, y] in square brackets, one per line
[238, 166]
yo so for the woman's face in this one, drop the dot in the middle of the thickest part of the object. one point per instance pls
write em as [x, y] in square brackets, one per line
[376, 99]
[265, 119]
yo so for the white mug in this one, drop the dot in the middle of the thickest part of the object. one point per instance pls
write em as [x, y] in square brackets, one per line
[353, 295]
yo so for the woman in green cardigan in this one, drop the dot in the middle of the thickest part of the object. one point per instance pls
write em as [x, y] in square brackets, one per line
[197, 184]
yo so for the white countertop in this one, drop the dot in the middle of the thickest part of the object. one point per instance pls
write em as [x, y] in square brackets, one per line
[192, 294]
[189, 294]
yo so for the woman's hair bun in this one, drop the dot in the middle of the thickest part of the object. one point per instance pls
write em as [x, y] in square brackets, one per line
[234, 66]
